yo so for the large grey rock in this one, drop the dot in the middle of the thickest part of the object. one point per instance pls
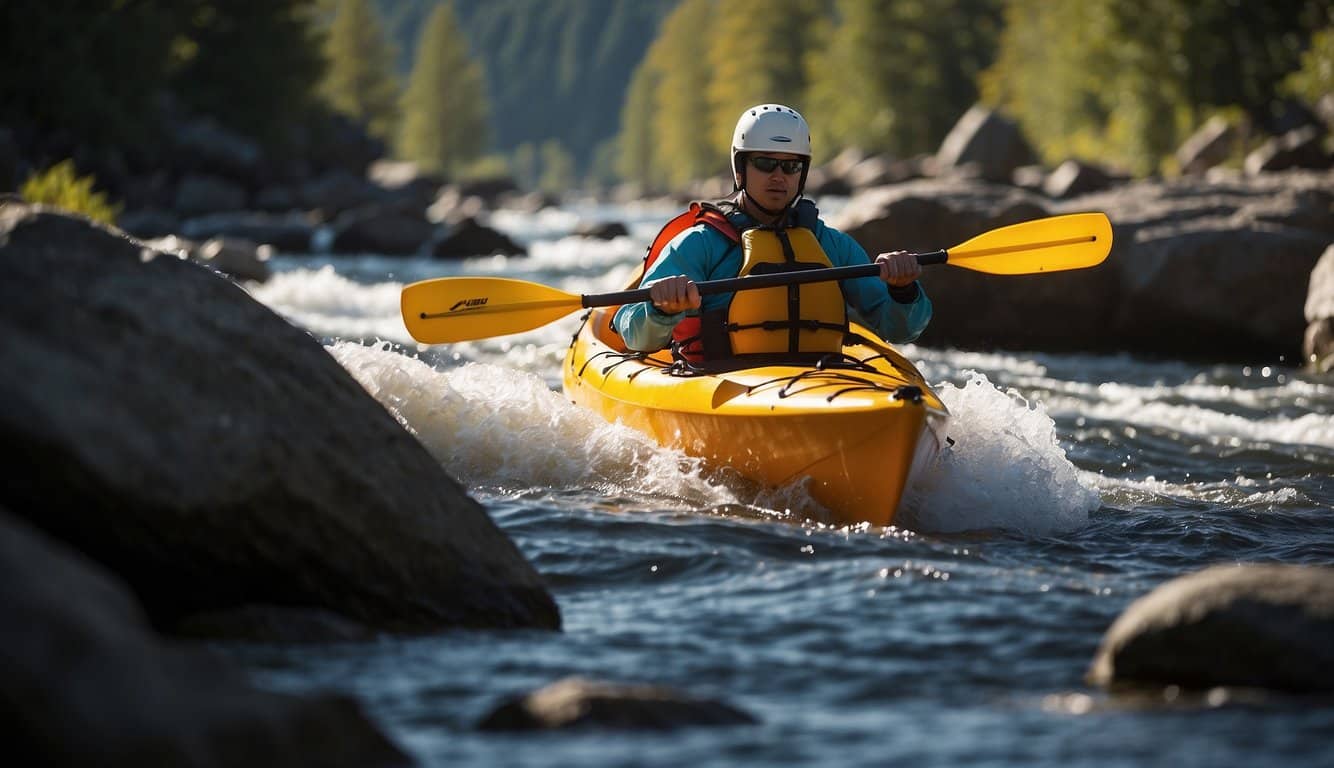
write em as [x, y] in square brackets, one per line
[987, 143]
[213, 455]
[1300, 148]
[199, 193]
[84, 681]
[1207, 147]
[469, 238]
[1266, 626]
[382, 229]
[203, 145]
[1073, 178]
[576, 702]
[337, 191]
[1318, 341]
[291, 232]
[1211, 268]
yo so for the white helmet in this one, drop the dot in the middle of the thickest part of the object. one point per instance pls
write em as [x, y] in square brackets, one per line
[771, 128]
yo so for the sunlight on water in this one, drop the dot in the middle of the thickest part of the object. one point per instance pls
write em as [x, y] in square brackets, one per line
[1005, 470]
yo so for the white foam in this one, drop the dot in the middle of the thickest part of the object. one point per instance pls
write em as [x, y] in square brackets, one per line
[1005, 470]
[330, 305]
[492, 426]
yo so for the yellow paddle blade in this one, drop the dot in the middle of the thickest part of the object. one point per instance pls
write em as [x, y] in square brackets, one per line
[450, 309]
[1052, 244]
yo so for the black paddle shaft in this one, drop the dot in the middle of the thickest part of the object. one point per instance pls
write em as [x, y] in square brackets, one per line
[751, 282]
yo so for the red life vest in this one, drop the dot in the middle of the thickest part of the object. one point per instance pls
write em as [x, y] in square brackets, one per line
[687, 332]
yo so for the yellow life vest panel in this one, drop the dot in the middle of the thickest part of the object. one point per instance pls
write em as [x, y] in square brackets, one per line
[786, 319]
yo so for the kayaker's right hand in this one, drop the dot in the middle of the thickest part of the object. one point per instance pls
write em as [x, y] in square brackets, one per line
[672, 295]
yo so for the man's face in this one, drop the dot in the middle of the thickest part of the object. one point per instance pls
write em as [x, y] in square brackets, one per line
[776, 187]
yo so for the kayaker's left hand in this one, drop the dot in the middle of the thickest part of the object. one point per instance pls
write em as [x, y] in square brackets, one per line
[898, 268]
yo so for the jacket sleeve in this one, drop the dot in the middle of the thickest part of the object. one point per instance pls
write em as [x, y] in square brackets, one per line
[895, 320]
[641, 325]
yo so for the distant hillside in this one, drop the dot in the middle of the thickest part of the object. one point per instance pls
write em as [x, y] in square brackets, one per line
[555, 68]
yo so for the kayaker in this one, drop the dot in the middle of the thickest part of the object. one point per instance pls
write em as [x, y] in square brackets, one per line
[771, 156]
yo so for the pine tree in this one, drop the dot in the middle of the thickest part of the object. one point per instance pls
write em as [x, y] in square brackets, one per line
[679, 119]
[444, 107]
[758, 60]
[359, 81]
[894, 77]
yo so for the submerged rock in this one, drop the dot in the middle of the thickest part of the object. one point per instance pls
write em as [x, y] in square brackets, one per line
[214, 456]
[84, 681]
[1264, 626]
[576, 702]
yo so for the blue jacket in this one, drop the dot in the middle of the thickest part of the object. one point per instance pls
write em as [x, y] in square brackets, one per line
[702, 253]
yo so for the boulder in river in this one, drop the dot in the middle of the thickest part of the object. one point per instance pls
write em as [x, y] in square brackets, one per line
[576, 702]
[215, 456]
[468, 238]
[1261, 626]
[1318, 343]
[85, 681]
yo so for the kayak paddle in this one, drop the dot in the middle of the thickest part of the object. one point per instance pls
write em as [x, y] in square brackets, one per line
[448, 309]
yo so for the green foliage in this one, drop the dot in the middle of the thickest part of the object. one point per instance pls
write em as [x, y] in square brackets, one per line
[90, 70]
[360, 80]
[62, 187]
[881, 76]
[1125, 81]
[557, 167]
[252, 65]
[554, 68]
[895, 77]
[444, 108]
[1315, 78]
[757, 58]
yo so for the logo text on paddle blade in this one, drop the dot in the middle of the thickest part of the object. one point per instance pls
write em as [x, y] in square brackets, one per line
[467, 304]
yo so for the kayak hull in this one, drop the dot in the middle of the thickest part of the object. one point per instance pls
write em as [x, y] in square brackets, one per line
[858, 429]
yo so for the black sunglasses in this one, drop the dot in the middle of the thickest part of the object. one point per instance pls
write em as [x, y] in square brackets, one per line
[768, 164]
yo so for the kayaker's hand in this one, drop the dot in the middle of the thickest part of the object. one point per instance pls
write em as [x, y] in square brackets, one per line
[898, 268]
[672, 295]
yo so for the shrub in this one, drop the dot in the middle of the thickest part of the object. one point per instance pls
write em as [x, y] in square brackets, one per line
[62, 187]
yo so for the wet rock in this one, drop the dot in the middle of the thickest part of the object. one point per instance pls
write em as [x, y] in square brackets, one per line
[1318, 342]
[276, 199]
[1073, 178]
[1207, 147]
[1302, 148]
[215, 456]
[469, 238]
[84, 681]
[603, 230]
[198, 194]
[337, 191]
[490, 190]
[822, 182]
[289, 232]
[202, 145]
[149, 223]
[236, 258]
[1029, 177]
[1265, 626]
[451, 207]
[576, 702]
[273, 624]
[383, 229]
[1200, 268]
[986, 141]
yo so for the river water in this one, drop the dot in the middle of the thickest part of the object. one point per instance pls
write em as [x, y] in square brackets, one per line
[960, 637]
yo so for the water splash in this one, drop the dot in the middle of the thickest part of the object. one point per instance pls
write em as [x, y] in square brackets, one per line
[495, 426]
[1005, 470]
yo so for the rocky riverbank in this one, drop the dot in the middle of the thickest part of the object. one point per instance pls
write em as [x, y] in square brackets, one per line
[186, 462]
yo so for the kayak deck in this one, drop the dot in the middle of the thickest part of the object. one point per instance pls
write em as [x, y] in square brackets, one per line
[856, 425]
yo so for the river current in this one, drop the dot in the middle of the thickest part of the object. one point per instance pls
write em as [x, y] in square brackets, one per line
[961, 636]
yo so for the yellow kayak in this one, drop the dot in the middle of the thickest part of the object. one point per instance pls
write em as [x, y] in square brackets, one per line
[858, 426]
